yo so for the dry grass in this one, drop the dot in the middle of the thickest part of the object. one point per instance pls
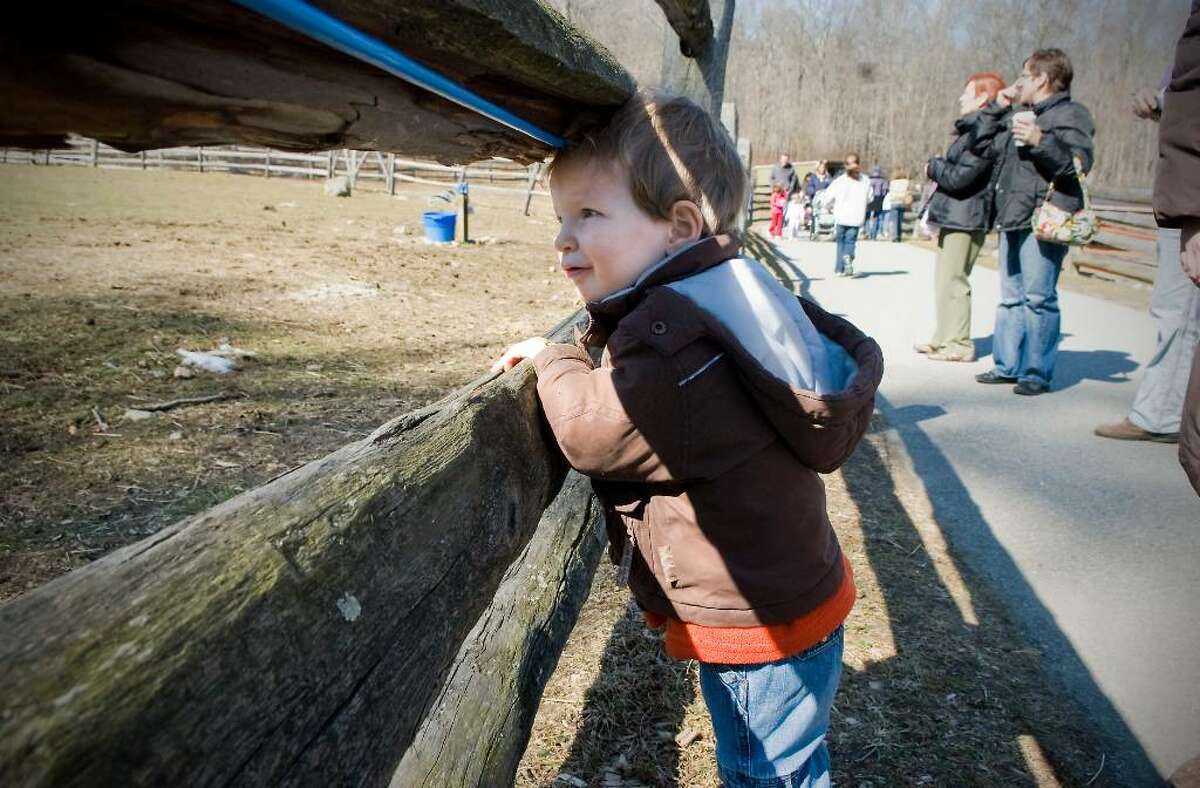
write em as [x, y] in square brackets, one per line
[104, 274]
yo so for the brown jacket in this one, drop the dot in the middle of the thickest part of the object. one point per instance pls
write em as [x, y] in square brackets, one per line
[718, 399]
[1189, 428]
[1177, 181]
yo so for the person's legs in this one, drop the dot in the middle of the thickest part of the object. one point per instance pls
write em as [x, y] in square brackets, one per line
[841, 239]
[1175, 306]
[771, 719]
[851, 246]
[899, 224]
[1041, 263]
[957, 251]
[1008, 336]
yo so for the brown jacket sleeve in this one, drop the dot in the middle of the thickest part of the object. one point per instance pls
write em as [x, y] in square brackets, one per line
[587, 412]
[1177, 181]
[1189, 429]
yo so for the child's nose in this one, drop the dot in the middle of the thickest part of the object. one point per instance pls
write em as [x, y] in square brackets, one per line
[564, 242]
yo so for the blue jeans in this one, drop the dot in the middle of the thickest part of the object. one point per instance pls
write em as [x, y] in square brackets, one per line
[846, 237]
[771, 719]
[874, 219]
[1027, 320]
[897, 222]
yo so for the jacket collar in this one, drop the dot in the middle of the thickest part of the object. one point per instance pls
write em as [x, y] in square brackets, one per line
[605, 313]
[966, 122]
[692, 259]
[1051, 101]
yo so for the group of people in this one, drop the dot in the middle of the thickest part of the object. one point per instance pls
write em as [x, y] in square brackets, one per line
[1017, 148]
[852, 205]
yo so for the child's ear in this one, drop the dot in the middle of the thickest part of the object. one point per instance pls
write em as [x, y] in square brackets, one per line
[687, 224]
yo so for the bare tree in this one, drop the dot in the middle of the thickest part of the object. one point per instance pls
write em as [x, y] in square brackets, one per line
[819, 78]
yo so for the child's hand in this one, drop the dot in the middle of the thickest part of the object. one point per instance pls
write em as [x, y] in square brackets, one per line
[519, 352]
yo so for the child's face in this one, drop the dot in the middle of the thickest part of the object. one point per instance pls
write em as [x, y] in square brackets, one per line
[605, 240]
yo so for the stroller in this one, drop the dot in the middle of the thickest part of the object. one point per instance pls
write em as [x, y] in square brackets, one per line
[822, 223]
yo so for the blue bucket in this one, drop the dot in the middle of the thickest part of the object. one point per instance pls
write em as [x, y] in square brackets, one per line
[439, 225]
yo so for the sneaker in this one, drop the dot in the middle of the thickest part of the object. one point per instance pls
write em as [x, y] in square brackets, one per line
[1030, 388]
[950, 355]
[925, 347]
[850, 271]
[1126, 430]
[992, 376]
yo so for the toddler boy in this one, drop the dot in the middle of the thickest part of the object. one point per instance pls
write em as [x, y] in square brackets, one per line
[719, 398]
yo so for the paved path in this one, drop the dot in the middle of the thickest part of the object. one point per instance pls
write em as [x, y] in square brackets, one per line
[1094, 544]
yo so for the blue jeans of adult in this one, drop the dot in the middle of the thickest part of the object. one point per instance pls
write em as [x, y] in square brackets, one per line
[771, 719]
[1025, 345]
[897, 222]
[874, 220]
[847, 237]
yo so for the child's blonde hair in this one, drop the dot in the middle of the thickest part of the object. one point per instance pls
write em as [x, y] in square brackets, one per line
[671, 150]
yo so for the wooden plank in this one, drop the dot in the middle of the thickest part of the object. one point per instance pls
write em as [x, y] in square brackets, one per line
[296, 633]
[141, 74]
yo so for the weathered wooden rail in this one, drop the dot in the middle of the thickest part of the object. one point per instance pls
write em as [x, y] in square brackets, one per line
[1125, 248]
[413, 587]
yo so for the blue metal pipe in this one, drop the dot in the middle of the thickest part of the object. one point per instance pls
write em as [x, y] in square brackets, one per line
[315, 23]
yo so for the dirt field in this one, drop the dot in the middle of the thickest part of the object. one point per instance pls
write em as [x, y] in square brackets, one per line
[104, 275]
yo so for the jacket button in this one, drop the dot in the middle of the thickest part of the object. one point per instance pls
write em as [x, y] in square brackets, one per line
[658, 328]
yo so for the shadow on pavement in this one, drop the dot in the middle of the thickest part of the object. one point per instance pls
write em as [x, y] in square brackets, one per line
[970, 535]
[1106, 366]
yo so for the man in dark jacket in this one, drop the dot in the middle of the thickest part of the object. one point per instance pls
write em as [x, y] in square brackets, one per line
[784, 174]
[1177, 202]
[1032, 149]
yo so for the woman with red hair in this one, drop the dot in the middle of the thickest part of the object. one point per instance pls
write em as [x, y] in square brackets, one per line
[961, 209]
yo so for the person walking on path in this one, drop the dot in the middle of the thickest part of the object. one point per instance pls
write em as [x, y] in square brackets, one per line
[879, 189]
[1175, 305]
[784, 174]
[793, 216]
[1032, 150]
[778, 203]
[961, 209]
[849, 194]
[818, 181]
[895, 201]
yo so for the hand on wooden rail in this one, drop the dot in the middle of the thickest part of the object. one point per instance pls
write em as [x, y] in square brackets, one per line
[527, 348]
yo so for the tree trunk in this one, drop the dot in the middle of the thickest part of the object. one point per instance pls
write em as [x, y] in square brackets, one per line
[297, 634]
[701, 75]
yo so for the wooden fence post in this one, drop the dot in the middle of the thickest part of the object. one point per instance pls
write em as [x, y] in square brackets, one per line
[391, 173]
[534, 172]
[95, 157]
[142, 154]
[267, 164]
[200, 157]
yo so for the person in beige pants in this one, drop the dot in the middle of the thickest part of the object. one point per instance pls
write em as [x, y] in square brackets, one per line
[961, 208]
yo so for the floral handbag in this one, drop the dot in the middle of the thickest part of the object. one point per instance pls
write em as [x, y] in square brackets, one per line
[1055, 225]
